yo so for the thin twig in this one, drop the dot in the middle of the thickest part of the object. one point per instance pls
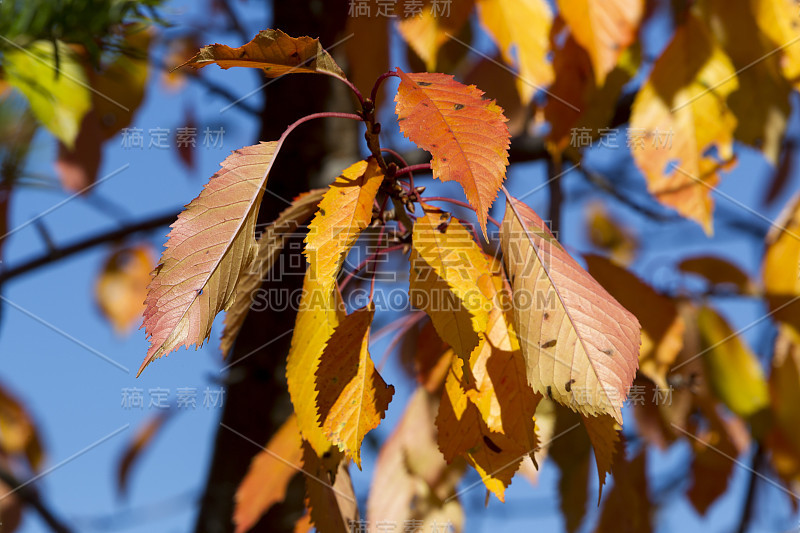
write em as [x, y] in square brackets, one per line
[29, 495]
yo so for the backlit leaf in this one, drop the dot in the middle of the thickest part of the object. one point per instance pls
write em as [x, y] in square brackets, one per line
[344, 212]
[18, 432]
[521, 26]
[270, 246]
[446, 266]
[412, 481]
[211, 245]
[466, 134]
[58, 95]
[781, 267]
[733, 370]
[269, 475]
[581, 346]
[272, 51]
[604, 436]
[353, 397]
[427, 32]
[604, 28]
[679, 115]
[318, 315]
[330, 499]
[783, 440]
[777, 20]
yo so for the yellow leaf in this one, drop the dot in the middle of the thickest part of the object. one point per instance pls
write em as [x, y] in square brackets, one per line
[777, 20]
[274, 52]
[761, 104]
[122, 286]
[781, 266]
[427, 32]
[604, 28]
[581, 346]
[412, 480]
[211, 245]
[270, 245]
[330, 499]
[608, 233]
[732, 369]
[344, 212]
[58, 95]
[269, 475]
[446, 266]
[466, 134]
[678, 115]
[318, 315]
[353, 397]
[521, 29]
[662, 325]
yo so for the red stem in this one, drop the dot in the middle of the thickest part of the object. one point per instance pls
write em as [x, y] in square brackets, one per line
[411, 321]
[458, 203]
[413, 168]
[383, 77]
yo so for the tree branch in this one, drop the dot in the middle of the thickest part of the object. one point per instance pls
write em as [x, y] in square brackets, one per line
[29, 495]
[59, 253]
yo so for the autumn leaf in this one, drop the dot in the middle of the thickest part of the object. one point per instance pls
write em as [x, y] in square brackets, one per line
[57, 93]
[211, 245]
[122, 286]
[426, 32]
[608, 233]
[777, 21]
[489, 420]
[581, 346]
[628, 498]
[344, 212]
[272, 51]
[446, 266]
[431, 359]
[521, 26]
[352, 396]
[604, 436]
[18, 432]
[604, 28]
[269, 475]
[718, 272]
[133, 452]
[780, 270]
[270, 246]
[783, 440]
[318, 315]
[662, 325]
[678, 115]
[466, 134]
[733, 370]
[330, 499]
[412, 480]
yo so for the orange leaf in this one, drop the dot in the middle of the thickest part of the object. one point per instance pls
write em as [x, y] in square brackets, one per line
[426, 32]
[18, 433]
[269, 475]
[466, 134]
[210, 246]
[604, 28]
[581, 346]
[352, 397]
[122, 286]
[274, 52]
[412, 481]
[144, 436]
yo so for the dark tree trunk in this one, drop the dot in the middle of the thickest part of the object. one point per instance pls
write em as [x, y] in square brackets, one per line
[256, 398]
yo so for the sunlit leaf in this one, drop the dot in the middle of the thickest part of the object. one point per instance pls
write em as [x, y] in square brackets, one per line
[274, 52]
[352, 396]
[122, 286]
[428, 31]
[781, 266]
[679, 115]
[211, 245]
[581, 346]
[18, 432]
[465, 133]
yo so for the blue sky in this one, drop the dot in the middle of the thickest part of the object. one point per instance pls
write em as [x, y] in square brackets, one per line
[75, 395]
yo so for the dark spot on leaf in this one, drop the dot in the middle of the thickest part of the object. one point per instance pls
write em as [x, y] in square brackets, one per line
[609, 352]
[568, 386]
[549, 344]
[442, 227]
[326, 455]
[444, 160]
[546, 315]
[491, 445]
[549, 392]
[424, 83]
[458, 107]
[321, 211]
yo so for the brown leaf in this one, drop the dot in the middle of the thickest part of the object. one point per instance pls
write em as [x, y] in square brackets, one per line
[330, 498]
[133, 452]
